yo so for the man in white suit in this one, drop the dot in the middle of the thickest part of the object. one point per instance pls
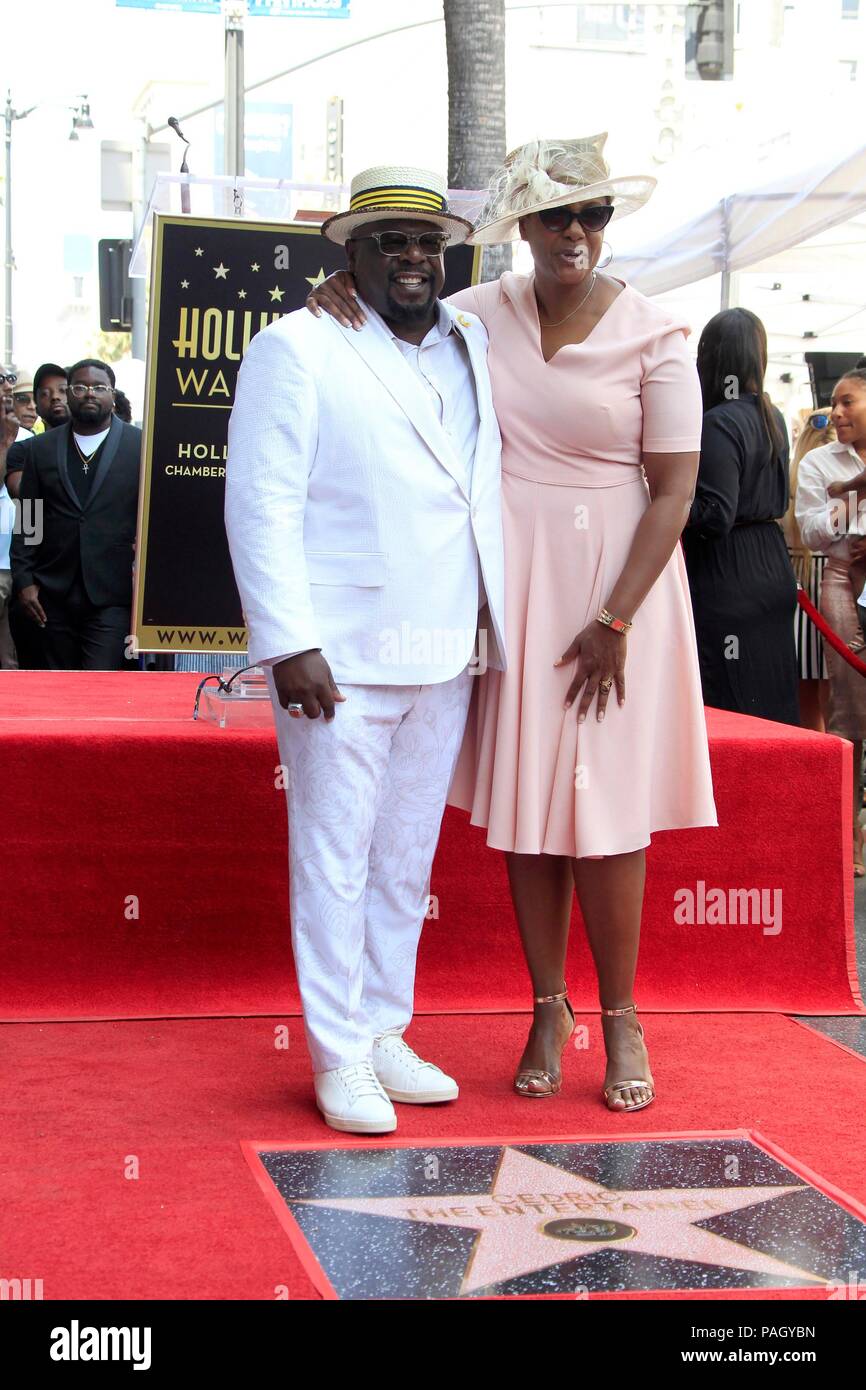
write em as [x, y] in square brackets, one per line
[362, 509]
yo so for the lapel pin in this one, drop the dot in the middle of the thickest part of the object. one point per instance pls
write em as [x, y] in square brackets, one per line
[464, 321]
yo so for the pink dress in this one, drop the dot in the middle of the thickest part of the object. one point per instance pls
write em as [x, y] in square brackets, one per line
[573, 493]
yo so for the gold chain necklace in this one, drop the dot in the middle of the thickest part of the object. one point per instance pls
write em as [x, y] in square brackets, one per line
[86, 459]
[592, 280]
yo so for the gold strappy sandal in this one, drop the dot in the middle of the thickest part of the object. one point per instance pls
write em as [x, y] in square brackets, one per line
[532, 1081]
[642, 1084]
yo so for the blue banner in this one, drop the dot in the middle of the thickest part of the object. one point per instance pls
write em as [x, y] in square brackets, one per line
[300, 9]
[267, 139]
[284, 9]
[178, 6]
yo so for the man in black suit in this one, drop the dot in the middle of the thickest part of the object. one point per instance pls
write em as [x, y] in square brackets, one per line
[50, 388]
[76, 583]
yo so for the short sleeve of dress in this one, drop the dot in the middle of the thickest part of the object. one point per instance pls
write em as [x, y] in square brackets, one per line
[482, 300]
[670, 395]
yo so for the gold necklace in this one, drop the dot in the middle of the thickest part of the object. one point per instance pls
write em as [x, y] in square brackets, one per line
[592, 280]
[86, 459]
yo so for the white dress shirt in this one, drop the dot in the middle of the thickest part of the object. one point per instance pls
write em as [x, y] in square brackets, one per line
[441, 363]
[825, 522]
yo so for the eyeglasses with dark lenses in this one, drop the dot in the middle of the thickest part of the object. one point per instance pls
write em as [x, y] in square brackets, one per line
[592, 219]
[395, 243]
[819, 421]
[79, 390]
[11, 377]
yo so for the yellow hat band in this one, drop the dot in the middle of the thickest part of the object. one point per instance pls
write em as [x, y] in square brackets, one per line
[424, 199]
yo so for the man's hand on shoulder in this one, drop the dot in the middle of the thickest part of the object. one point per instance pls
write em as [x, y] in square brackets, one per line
[306, 680]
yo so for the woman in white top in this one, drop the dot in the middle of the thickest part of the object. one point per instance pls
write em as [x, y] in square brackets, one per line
[831, 513]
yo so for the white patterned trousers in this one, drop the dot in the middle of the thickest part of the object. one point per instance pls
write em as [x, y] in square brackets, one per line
[366, 793]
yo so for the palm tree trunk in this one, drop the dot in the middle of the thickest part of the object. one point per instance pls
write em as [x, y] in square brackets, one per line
[475, 44]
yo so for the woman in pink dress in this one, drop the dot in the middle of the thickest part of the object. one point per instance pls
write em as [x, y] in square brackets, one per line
[600, 411]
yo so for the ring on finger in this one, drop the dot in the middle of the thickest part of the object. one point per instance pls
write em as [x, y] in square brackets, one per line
[294, 710]
[605, 685]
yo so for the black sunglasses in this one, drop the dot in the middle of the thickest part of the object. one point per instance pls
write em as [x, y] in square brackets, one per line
[11, 377]
[592, 218]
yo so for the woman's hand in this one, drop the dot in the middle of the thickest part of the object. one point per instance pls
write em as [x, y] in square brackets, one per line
[338, 297]
[600, 655]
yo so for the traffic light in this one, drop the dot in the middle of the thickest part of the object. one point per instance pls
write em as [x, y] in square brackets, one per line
[115, 290]
[334, 141]
[710, 41]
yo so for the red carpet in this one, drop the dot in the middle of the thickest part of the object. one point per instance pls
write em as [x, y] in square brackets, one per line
[81, 1101]
[116, 792]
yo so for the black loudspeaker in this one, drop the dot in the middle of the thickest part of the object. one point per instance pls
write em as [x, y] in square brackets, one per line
[825, 369]
[115, 291]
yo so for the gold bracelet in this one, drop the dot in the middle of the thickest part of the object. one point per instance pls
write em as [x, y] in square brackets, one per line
[615, 624]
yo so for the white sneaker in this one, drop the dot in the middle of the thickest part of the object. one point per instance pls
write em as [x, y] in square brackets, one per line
[351, 1099]
[406, 1077]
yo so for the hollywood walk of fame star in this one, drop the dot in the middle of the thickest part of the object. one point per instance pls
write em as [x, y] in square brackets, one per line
[184, 284]
[316, 280]
[254, 266]
[242, 294]
[537, 1215]
[199, 250]
[277, 294]
[220, 271]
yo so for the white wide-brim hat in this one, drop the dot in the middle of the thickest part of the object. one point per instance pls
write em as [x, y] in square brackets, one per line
[397, 191]
[551, 174]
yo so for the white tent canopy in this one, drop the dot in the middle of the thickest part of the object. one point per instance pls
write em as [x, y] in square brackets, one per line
[753, 228]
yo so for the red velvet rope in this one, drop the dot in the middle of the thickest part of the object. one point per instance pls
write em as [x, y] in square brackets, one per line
[828, 634]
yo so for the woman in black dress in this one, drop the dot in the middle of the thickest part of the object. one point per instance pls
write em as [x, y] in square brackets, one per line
[743, 588]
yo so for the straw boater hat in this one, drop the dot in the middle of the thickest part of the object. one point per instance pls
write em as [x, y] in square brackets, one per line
[396, 191]
[551, 174]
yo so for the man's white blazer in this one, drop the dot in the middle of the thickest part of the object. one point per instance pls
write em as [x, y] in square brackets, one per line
[348, 524]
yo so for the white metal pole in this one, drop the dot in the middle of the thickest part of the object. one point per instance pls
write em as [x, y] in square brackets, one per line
[233, 109]
[139, 204]
[7, 336]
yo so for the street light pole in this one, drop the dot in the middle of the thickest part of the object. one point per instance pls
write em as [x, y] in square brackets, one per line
[7, 328]
[80, 121]
[233, 109]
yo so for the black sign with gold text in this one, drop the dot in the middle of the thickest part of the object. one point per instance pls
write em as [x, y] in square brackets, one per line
[214, 284]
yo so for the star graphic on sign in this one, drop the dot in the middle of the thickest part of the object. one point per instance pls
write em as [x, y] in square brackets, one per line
[199, 250]
[276, 293]
[220, 271]
[316, 280]
[254, 266]
[538, 1215]
[184, 284]
[242, 294]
